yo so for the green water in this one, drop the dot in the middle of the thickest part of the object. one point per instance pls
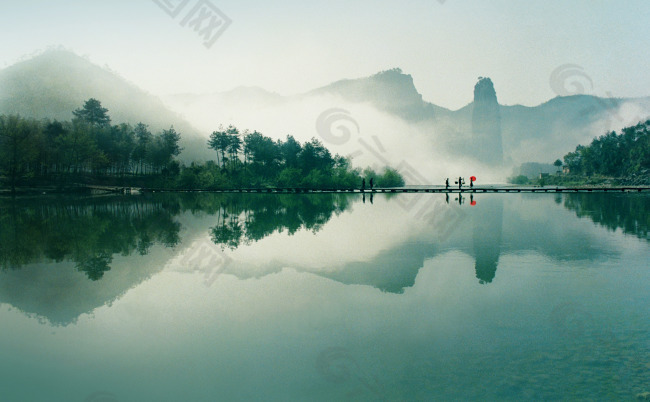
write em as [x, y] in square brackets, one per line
[212, 297]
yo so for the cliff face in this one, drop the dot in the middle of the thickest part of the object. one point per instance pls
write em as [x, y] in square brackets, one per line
[391, 91]
[486, 124]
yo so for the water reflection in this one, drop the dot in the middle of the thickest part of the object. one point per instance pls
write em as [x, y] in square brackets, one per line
[628, 212]
[241, 219]
[561, 304]
[64, 245]
[486, 238]
[88, 232]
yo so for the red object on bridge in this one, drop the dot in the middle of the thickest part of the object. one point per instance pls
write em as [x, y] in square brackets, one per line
[473, 178]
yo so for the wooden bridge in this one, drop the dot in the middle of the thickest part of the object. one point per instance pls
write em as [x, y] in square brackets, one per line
[423, 189]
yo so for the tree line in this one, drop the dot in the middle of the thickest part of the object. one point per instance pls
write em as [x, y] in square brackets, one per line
[255, 160]
[615, 155]
[621, 156]
[89, 148]
[86, 145]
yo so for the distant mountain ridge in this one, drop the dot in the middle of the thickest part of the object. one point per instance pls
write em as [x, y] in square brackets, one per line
[535, 133]
[56, 82]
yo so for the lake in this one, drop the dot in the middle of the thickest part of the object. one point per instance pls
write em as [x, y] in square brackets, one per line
[240, 297]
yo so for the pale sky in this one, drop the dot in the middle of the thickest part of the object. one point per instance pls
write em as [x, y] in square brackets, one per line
[293, 46]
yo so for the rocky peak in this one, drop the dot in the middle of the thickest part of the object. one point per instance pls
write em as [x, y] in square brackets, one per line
[484, 91]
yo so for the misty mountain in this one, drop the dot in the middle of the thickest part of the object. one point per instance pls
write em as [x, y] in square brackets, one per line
[540, 133]
[56, 82]
[436, 141]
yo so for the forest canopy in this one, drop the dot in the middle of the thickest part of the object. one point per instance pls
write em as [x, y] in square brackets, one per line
[88, 149]
[612, 154]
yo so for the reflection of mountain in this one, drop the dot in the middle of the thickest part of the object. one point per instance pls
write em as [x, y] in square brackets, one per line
[537, 225]
[488, 221]
[49, 252]
[547, 231]
[628, 212]
[391, 271]
[60, 258]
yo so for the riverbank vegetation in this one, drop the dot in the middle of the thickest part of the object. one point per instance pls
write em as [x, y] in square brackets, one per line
[90, 150]
[611, 159]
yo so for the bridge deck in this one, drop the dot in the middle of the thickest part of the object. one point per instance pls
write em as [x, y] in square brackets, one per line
[477, 189]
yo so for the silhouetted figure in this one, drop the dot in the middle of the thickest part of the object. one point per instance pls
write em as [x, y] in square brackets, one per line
[447, 184]
[460, 183]
[363, 184]
[371, 183]
[471, 184]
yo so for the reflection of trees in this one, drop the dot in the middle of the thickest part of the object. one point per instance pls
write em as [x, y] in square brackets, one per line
[88, 232]
[245, 219]
[95, 266]
[91, 231]
[629, 212]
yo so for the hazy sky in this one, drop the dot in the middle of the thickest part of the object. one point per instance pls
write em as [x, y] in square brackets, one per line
[295, 46]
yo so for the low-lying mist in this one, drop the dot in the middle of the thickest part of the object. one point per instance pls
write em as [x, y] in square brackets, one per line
[359, 130]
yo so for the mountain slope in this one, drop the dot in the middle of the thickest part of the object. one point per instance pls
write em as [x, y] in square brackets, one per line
[57, 82]
[537, 133]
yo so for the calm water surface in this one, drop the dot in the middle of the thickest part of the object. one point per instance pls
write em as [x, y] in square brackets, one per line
[325, 297]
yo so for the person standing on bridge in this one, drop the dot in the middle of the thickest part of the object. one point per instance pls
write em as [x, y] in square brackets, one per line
[447, 184]
[363, 184]
[371, 183]
[460, 183]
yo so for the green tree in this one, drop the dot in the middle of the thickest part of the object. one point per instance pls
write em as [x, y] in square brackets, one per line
[290, 150]
[390, 178]
[93, 113]
[234, 145]
[219, 141]
[143, 140]
[314, 155]
[16, 150]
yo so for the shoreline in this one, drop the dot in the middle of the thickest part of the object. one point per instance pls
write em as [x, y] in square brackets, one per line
[487, 189]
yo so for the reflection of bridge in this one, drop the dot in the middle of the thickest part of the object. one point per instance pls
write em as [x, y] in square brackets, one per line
[111, 189]
[495, 189]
